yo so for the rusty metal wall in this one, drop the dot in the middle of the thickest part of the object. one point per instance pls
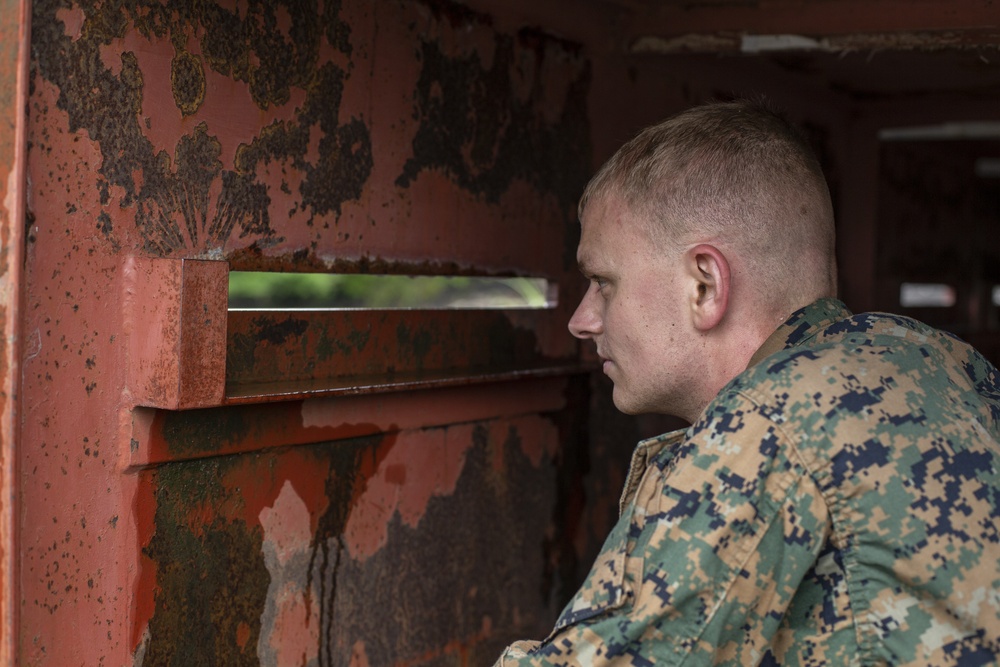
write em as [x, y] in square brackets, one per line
[198, 487]
[203, 488]
[14, 48]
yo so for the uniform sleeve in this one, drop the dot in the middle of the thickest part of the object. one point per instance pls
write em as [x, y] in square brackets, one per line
[701, 567]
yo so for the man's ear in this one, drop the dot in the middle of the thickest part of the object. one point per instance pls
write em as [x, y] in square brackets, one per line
[709, 269]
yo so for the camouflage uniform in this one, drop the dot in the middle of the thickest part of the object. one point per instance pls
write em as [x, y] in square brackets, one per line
[836, 504]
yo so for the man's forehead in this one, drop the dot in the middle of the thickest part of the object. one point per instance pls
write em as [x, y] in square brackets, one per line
[611, 214]
[607, 224]
[592, 240]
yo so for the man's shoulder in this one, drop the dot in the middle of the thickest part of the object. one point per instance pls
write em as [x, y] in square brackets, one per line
[870, 341]
[873, 361]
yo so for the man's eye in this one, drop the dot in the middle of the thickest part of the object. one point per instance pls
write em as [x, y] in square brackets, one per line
[600, 282]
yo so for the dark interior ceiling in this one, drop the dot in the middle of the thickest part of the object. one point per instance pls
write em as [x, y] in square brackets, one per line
[873, 74]
[972, 71]
[867, 49]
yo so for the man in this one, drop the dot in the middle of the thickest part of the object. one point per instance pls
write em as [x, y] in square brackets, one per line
[836, 500]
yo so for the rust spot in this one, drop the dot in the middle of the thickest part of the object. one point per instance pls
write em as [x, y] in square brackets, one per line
[277, 332]
[241, 352]
[242, 635]
[211, 581]
[187, 81]
[253, 258]
[413, 345]
[198, 165]
[367, 346]
[354, 342]
[345, 153]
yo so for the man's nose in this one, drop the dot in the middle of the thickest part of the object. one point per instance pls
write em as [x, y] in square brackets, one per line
[586, 321]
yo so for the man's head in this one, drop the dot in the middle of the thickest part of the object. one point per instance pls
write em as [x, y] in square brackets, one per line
[700, 236]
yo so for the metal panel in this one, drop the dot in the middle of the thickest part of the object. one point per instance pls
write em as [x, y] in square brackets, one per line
[273, 353]
[14, 50]
[204, 487]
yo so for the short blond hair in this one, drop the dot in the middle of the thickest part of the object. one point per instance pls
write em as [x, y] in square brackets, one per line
[737, 173]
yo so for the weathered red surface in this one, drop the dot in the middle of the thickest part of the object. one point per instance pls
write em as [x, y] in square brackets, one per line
[174, 313]
[159, 436]
[343, 489]
[366, 348]
[289, 518]
[14, 49]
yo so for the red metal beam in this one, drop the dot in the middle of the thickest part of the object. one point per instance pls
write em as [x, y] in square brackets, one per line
[176, 317]
[14, 53]
[165, 436]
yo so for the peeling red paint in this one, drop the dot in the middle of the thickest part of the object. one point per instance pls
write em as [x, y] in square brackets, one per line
[294, 469]
[230, 104]
[242, 634]
[159, 436]
[536, 441]
[358, 656]
[72, 18]
[271, 352]
[144, 583]
[431, 460]
[287, 523]
[293, 635]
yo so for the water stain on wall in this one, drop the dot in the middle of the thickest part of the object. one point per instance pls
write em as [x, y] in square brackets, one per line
[187, 82]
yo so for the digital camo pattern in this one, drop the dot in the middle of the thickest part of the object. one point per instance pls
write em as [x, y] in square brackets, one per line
[836, 504]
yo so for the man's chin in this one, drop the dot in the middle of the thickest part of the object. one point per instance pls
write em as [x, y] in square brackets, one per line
[625, 403]
[634, 405]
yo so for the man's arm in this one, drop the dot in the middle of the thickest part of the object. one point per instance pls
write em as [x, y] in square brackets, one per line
[702, 566]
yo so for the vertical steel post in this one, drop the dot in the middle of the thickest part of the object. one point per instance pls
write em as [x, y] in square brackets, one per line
[14, 54]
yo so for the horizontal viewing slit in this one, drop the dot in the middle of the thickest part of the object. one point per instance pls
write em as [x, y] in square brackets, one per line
[249, 290]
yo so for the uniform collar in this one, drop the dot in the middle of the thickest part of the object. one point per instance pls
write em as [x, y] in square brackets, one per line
[801, 326]
[645, 452]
